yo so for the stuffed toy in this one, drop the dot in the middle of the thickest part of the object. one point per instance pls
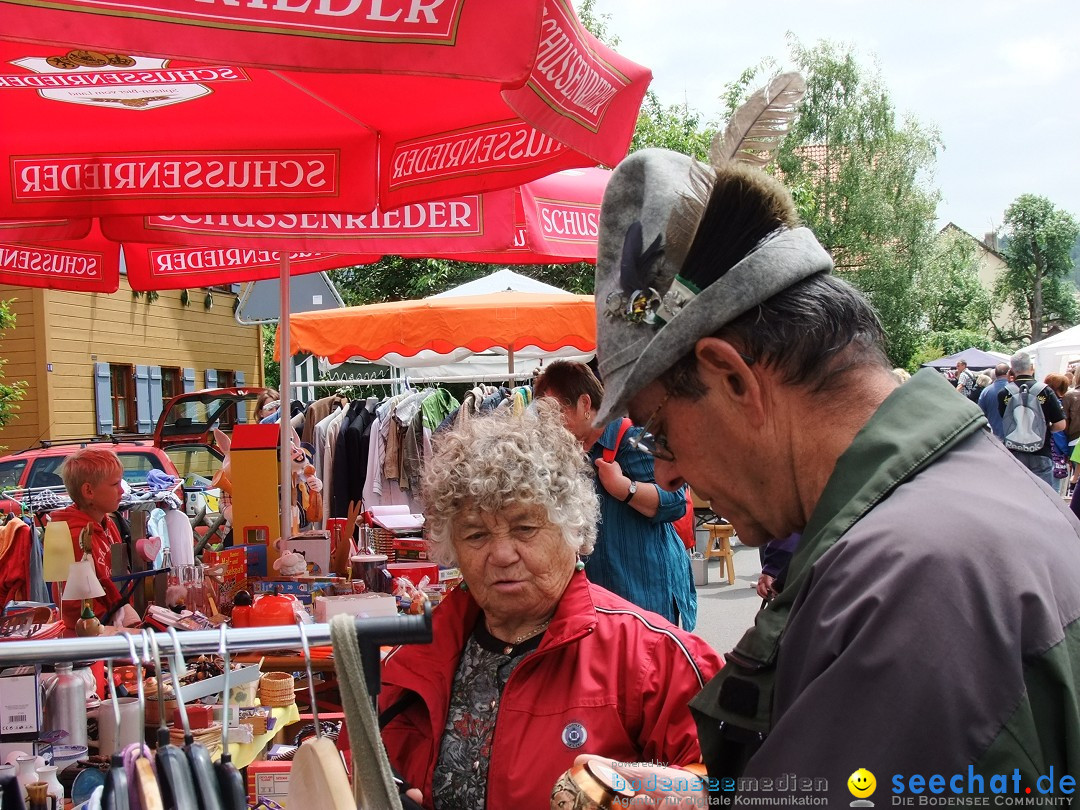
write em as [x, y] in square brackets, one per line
[290, 563]
[308, 486]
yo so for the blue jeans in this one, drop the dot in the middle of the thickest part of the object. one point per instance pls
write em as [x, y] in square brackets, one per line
[1039, 464]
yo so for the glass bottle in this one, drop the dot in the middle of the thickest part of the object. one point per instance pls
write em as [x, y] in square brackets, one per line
[37, 796]
[65, 705]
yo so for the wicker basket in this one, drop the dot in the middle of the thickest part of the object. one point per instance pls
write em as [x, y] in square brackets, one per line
[277, 689]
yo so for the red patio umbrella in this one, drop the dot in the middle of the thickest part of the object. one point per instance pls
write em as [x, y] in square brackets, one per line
[93, 264]
[500, 94]
[550, 220]
[118, 132]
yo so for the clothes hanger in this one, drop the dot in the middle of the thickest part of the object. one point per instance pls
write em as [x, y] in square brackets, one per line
[230, 782]
[144, 793]
[115, 795]
[173, 771]
[318, 773]
[198, 758]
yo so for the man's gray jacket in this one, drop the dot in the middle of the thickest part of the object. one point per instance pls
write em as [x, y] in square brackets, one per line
[928, 625]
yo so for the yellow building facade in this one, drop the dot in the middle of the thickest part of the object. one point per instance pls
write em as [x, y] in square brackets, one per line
[98, 364]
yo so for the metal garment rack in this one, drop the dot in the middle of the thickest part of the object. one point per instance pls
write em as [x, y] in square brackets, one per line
[418, 380]
[371, 633]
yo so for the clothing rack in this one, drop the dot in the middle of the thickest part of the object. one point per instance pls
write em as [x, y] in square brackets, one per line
[482, 378]
[372, 633]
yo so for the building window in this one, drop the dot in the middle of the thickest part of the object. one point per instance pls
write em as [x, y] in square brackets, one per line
[122, 378]
[172, 383]
[226, 378]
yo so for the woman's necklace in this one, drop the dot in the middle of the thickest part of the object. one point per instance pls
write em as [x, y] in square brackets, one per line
[509, 648]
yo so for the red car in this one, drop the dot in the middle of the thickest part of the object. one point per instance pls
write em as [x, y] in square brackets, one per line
[182, 445]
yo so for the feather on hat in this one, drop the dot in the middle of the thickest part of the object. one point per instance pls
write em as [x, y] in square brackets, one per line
[671, 228]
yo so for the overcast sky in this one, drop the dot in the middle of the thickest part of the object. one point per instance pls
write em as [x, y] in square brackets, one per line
[999, 79]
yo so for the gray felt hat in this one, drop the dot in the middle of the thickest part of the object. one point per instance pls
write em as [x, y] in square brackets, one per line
[632, 352]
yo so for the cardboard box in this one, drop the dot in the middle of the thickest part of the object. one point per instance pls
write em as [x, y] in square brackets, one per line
[234, 576]
[315, 546]
[256, 559]
[20, 704]
[364, 604]
[301, 590]
[268, 780]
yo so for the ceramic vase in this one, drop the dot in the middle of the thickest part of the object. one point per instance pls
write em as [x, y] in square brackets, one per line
[56, 790]
[26, 771]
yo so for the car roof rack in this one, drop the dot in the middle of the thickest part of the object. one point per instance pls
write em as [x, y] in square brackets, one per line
[109, 438]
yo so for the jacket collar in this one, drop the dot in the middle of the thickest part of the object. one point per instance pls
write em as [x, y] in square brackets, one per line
[455, 617]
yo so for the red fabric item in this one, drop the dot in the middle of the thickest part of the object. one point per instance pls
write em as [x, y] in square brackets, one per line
[622, 673]
[91, 263]
[467, 222]
[14, 561]
[609, 454]
[550, 220]
[102, 539]
[684, 526]
[161, 136]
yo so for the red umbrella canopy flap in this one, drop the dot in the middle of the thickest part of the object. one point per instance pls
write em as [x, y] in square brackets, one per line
[133, 125]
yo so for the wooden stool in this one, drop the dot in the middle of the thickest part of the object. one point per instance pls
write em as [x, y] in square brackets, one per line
[720, 535]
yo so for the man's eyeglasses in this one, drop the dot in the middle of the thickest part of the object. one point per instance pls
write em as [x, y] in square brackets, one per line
[652, 444]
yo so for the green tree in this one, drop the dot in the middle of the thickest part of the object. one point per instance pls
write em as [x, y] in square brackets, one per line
[860, 179]
[10, 393]
[678, 127]
[271, 367]
[948, 289]
[1038, 279]
[394, 278]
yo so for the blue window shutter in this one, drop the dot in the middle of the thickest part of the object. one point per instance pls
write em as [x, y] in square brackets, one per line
[189, 380]
[144, 424]
[211, 378]
[156, 396]
[103, 398]
[241, 407]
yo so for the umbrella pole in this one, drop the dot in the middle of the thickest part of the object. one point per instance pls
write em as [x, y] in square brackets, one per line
[284, 420]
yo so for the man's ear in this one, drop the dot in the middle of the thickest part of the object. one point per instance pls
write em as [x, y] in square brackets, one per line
[725, 371]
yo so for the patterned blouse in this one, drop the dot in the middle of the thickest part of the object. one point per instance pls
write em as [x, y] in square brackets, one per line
[460, 778]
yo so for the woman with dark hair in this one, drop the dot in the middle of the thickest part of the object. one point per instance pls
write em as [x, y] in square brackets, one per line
[638, 553]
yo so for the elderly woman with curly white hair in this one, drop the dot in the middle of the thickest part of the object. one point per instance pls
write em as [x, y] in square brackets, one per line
[531, 665]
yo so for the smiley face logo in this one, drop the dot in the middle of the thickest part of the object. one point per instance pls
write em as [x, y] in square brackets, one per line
[862, 784]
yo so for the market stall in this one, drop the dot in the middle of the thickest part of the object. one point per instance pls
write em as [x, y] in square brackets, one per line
[407, 120]
[137, 665]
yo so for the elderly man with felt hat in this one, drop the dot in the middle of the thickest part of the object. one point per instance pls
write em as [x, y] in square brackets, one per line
[917, 632]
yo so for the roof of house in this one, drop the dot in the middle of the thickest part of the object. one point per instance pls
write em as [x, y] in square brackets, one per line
[977, 241]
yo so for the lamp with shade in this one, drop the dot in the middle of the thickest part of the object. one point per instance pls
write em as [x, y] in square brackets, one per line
[83, 584]
[58, 552]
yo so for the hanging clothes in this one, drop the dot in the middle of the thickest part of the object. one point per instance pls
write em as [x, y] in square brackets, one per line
[15, 547]
[39, 591]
